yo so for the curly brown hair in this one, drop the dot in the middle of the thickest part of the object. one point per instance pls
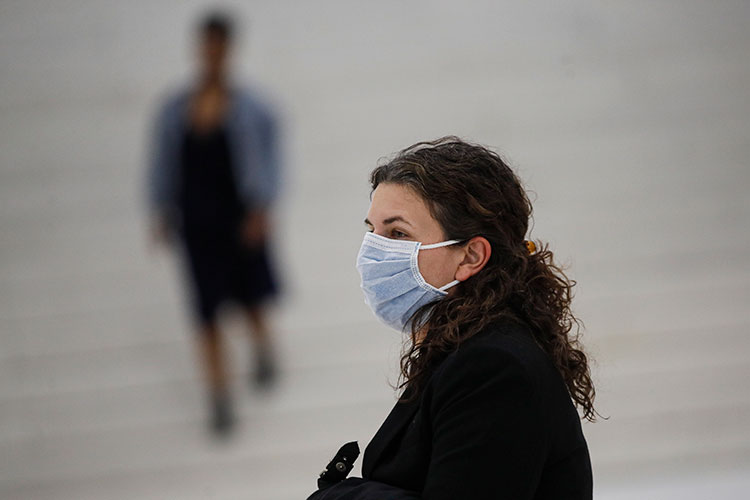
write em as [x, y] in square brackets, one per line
[471, 191]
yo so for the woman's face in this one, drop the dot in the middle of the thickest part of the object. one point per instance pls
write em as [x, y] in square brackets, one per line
[213, 54]
[399, 213]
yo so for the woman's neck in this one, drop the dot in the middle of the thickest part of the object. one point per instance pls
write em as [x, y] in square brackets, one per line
[213, 82]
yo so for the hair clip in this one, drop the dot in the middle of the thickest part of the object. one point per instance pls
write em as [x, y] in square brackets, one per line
[530, 246]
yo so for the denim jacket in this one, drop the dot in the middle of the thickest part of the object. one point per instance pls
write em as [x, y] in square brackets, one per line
[252, 136]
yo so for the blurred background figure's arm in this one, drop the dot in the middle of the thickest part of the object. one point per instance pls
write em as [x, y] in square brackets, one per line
[260, 168]
[161, 174]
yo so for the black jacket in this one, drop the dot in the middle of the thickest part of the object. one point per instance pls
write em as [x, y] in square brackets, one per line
[494, 421]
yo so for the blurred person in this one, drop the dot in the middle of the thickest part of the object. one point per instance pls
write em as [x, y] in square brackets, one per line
[492, 371]
[214, 177]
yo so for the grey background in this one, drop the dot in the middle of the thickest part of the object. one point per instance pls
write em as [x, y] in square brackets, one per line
[628, 121]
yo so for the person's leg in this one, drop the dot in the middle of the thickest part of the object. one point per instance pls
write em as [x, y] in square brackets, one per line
[212, 358]
[260, 334]
[207, 276]
[215, 370]
[259, 329]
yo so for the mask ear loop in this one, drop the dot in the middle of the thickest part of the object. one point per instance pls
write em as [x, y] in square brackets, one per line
[440, 244]
[449, 285]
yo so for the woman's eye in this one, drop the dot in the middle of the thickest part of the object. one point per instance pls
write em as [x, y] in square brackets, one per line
[398, 234]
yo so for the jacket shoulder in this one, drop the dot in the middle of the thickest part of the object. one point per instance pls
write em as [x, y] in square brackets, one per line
[501, 354]
[253, 99]
[509, 342]
[171, 104]
[175, 95]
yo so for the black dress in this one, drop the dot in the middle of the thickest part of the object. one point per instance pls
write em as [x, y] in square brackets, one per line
[494, 421]
[221, 266]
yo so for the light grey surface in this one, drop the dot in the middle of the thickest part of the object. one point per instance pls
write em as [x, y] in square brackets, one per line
[628, 120]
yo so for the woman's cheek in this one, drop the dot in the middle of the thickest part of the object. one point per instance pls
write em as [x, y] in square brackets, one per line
[435, 268]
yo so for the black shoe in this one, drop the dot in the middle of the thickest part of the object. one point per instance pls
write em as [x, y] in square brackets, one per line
[265, 372]
[222, 416]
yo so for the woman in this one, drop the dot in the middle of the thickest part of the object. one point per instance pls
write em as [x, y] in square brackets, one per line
[493, 370]
[214, 178]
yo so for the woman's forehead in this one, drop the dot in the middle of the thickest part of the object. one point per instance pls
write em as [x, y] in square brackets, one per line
[391, 201]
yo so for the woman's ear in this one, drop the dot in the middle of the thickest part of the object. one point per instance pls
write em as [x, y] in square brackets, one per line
[476, 253]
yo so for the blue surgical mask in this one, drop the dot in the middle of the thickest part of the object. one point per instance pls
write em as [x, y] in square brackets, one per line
[393, 286]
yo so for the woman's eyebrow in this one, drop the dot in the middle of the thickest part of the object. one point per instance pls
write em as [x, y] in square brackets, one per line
[390, 220]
